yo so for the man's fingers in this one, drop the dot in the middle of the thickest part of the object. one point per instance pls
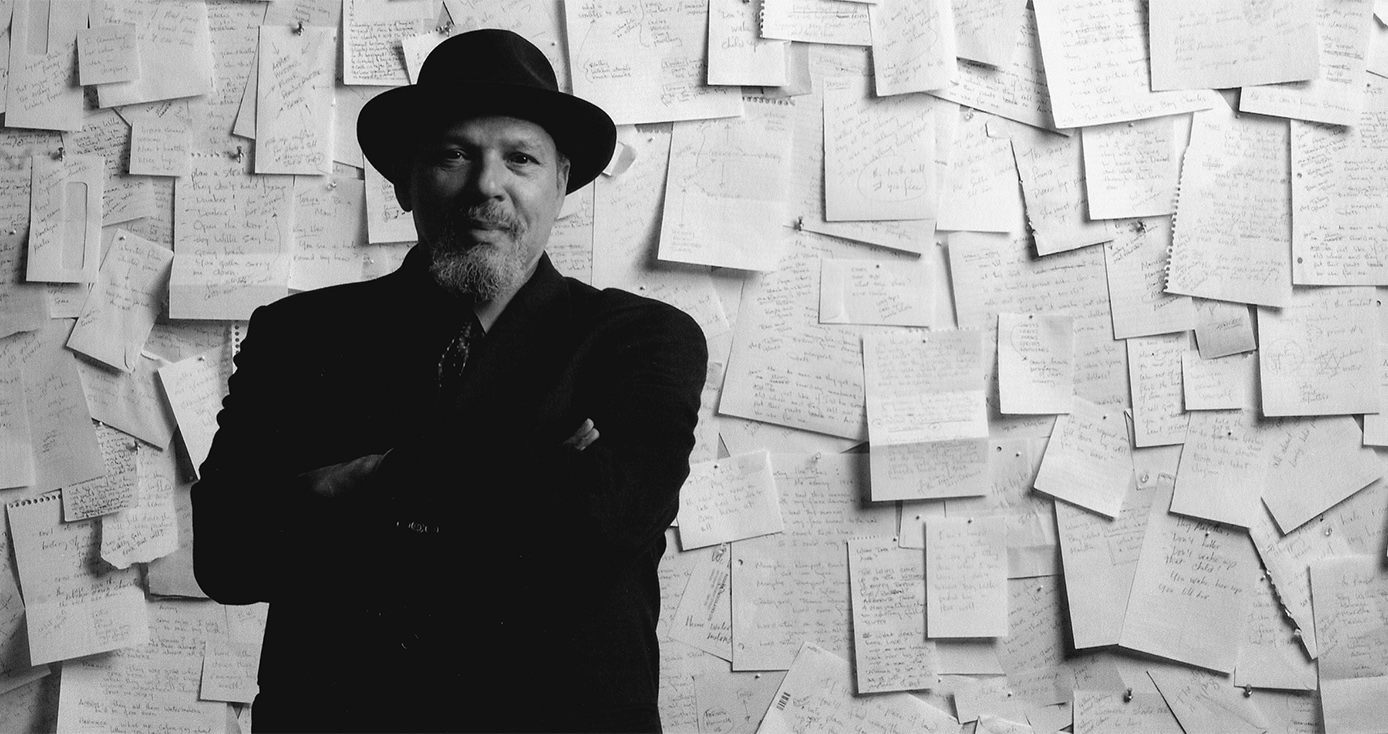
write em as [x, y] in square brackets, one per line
[584, 436]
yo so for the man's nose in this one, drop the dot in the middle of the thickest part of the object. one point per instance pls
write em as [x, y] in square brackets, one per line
[488, 176]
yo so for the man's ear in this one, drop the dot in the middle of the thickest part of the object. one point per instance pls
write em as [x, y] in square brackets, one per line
[402, 186]
[563, 176]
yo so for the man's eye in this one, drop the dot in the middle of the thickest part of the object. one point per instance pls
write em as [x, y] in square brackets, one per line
[522, 158]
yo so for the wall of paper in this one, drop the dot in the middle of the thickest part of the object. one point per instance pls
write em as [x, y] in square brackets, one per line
[1048, 342]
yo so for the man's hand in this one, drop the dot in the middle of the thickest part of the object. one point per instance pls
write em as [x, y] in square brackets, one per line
[343, 480]
[583, 437]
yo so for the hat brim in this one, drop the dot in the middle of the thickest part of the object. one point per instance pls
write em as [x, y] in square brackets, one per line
[390, 124]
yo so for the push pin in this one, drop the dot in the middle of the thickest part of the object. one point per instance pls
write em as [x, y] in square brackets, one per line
[445, 29]
[62, 153]
[1296, 633]
[1139, 226]
[332, 183]
[817, 456]
[1128, 695]
[799, 224]
[1248, 691]
[1327, 531]
[299, 29]
[239, 155]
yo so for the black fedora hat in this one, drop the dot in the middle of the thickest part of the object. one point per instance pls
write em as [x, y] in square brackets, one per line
[485, 72]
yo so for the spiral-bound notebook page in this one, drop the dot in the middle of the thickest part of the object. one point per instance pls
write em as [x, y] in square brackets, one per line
[74, 605]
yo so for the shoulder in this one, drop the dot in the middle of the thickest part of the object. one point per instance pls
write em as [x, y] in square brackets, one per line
[616, 309]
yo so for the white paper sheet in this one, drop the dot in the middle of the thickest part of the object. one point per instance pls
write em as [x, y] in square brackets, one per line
[1319, 352]
[729, 499]
[913, 48]
[1335, 95]
[966, 577]
[1100, 556]
[1132, 169]
[1088, 460]
[1053, 184]
[887, 589]
[1154, 371]
[879, 155]
[1224, 43]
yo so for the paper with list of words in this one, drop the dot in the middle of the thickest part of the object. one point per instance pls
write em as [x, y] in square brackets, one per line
[887, 589]
[966, 577]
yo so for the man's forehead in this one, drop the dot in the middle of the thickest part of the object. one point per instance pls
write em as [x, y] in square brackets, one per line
[500, 129]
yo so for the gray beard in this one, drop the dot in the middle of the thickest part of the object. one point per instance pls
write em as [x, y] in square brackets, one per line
[480, 271]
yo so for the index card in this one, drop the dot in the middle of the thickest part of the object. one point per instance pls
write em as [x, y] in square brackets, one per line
[1100, 557]
[725, 191]
[16, 438]
[73, 606]
[704, 619]
[294, 96]
[1232, 237]
[65, 218]
[385, 220]
[966, 577]
[1270, 655]
[1132, 169]
[1154, 371]
[108, 493]
[1222, 328]
[1114, 712]
[232, 238]
[1351, 602]
[890, 292]
[1335, 94]
[879, 155]
[329, 232]
[163, 676]
[737, 54]
[121, 308]
[1220, 44]
[1313, 465]
[148, 529]
[229, 671]
[979, 193]
[1088, 460]
[929, 470]
[1083, 92]
[1202, 701]
[65, 445]
[107, 53]
[1223, 469]
[887, 588]
[1189, 597]
[1036, 363]
[656, 80]
[1012, 464]
[130, 402]
[728, 499]
[1217, 384]
[42, 64]
[194, 389]
[983, 29]
[175, 50]
[816, 21]
[912, 46]
[924, 386]
[1335, 220]
[1015, 89]
[793, 586]
[1053, 185]
[371, 33]
[1319, 353]
[160, 147]
[816, 697]
[1135, 263]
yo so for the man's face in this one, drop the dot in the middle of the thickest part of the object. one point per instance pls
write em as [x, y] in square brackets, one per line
[485, 192]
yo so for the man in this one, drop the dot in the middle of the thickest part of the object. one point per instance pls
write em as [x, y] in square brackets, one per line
[452, 483]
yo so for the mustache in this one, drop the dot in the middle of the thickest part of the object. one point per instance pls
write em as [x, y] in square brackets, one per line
[486, 216]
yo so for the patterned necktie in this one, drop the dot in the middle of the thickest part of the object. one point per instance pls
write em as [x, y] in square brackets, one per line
[454, 357]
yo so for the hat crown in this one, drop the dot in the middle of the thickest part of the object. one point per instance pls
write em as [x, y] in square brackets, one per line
[489, 55]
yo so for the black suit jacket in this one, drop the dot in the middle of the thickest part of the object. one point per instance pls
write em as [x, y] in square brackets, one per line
[491, 578]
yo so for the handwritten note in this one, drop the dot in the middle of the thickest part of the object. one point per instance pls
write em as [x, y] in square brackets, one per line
[1313, 465]
[1223, 469]
[229, 671]
[1335, 94]
[73, 607]
[982, 29]
[175, 51]
[1136, 262]
[658, 79]
[329, 232]
[1217, 384]
[1336, 227]
[108, 493]
[1202, 701]
[1319, 352]
[1088, 460]
[924, 386]
[16, 439]
[65, 219]
[1100, 557]
[130, 402]
[929, 470]
[194, 388]
[1222, 328]
[1132, 169]
[1270, 655]
[1032, 548]
[42, 63]
[729, 499]
[887, 588]
[725, 191]
[294, 96]
[1154, 371]
[879, 155]
[891, 292]
[1036, 363]
[1232, 238]
[386, 221]
[1351, 599]
[1109, 712]
[121, 308]
[107, 53]
[913, 48]
[704, 619]
[816, 21]
[737, 54]
[1189, 596]
[966, 577]
[161, 147]
[1223, 44]
[816, 697]
[371, 33]
[1015, 89]
[1053, 185]
[148, 529]
[65, 445]
[979, 193]
[732, 703]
